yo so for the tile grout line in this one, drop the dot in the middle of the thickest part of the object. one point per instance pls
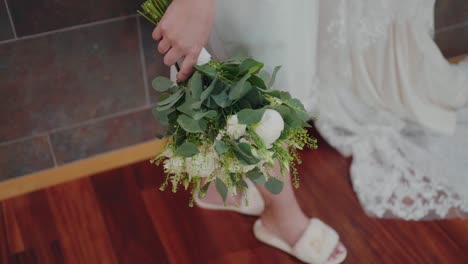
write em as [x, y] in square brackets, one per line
[84, 123]
[51, 149]
[451, 27]
[13, 28]
[42, 34]
[143, 62]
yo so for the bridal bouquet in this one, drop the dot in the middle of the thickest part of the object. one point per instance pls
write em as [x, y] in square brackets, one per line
[226, 124]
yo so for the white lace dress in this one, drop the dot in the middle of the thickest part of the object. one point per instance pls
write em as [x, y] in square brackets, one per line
[384, 93]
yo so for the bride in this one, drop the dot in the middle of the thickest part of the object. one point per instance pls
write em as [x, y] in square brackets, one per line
[384, 93]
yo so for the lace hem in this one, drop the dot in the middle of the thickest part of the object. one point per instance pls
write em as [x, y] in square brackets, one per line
[387, 184]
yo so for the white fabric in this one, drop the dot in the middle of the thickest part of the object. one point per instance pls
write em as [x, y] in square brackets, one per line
[383, 91]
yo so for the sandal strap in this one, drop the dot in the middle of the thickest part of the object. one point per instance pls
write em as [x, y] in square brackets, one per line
[317, 243]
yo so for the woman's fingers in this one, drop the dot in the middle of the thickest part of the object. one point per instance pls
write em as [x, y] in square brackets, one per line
[157, 34]
[172, 56]
[164, 46]
[187, 68]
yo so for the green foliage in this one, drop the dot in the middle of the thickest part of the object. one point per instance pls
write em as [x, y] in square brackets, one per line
[221, 147]
[274, 185]
[221, 188]
[250, 116]
[162, 84]
[256, 176]
[187, 150]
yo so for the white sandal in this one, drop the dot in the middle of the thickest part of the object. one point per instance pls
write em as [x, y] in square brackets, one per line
[315, 246]
[255, 202]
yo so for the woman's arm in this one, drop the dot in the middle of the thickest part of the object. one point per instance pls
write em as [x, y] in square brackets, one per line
[183, 31]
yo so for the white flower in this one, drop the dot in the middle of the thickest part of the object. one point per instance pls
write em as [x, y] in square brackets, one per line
[204, 57]
[220, 135]
[234, 129]
[168, 153]
[202, 165]
[174, 165]
[270, 127]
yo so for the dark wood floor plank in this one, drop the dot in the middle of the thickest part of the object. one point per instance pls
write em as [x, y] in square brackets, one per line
[457, 230]
[195, 233]
[31, 213]
[82, 230]
[132, 234]
[260, 254]
[14, 241]
[26, 257]
[4, 252]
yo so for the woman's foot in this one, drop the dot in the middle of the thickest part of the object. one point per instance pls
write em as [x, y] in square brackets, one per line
[290, 228]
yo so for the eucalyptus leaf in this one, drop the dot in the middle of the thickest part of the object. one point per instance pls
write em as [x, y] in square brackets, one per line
[256, 176]
[222, 189]
[299, 108]
[231, 68]
[195, 84]
[208, 114]
[206, 69]
[243, 152]
[162, 84]
[255, 98]
[187, 150]
[250, 66]
[196, 105]
[222, 99]
[173, 97]
[162, 116]
[180, 138]
[186, 107]
[264, 75]
[191, 125]
[211, 104]
[243, 103]
[204, 190]
[208, 90]
[170, 105]
[274, 185]
[241, 88]
[257, 82]
[221, 147]
[273, 76]
[250, 116]
[283, 110]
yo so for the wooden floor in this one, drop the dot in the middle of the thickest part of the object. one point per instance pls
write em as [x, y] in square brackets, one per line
[120, 217]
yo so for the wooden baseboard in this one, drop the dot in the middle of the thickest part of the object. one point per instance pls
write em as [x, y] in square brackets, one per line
[79, 169]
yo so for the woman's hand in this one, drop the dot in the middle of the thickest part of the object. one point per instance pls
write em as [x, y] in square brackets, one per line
[183, 31]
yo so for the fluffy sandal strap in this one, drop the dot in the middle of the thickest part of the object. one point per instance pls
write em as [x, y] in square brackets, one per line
[317, 243]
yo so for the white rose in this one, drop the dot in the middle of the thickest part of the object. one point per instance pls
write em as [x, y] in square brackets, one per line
[234, 129]
[270, 127]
